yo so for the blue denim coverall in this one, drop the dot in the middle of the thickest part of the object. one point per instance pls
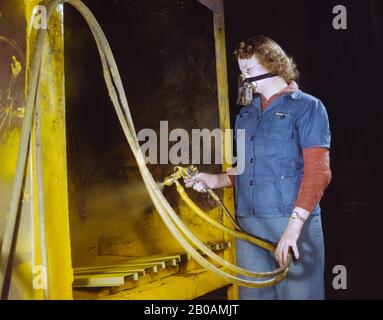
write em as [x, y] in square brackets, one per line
[266, 191]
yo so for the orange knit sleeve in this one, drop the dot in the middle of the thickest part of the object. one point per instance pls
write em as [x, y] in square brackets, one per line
[316, 177]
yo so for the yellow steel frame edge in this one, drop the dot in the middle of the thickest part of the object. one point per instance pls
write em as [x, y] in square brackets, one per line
[54, 158]
[217, 8]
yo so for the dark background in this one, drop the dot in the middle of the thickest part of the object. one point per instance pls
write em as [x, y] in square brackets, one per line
[165, 52]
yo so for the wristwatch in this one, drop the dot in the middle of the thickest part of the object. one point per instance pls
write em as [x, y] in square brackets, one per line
[295, 215]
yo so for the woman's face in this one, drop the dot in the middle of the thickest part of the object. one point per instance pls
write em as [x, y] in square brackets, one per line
[251, 68]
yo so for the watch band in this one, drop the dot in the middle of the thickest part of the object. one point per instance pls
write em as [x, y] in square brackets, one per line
[296, 215]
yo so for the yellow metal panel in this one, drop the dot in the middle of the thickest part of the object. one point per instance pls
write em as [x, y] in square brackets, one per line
[53, 144]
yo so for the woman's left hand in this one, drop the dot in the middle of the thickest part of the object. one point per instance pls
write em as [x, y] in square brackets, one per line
[289, 239]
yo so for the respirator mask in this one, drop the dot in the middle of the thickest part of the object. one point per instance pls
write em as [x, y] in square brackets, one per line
[247, 87]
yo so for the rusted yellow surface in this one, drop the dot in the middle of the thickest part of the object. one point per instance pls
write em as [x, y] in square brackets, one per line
[9, 144]
[11, 102]
[16, 67]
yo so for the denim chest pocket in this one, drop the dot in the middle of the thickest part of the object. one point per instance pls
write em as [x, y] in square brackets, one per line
[241, 121]
[280, 125]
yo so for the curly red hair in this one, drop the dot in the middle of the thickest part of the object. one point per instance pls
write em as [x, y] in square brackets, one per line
[270, 55]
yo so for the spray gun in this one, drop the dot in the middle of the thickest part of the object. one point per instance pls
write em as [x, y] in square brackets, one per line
[188, 173]
[180, 172]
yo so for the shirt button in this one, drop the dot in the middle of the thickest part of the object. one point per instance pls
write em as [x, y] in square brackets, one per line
[282, 177]
[252, 138]
[252, 160]
[251, 182]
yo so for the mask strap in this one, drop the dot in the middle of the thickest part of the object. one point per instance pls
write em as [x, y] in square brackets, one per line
[261, 77]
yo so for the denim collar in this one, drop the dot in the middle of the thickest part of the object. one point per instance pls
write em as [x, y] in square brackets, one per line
[291, 95]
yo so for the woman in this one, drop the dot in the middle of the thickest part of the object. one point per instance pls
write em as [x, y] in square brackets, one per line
[287, 170]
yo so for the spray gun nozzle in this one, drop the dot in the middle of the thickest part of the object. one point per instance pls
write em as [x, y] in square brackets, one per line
[180, 172]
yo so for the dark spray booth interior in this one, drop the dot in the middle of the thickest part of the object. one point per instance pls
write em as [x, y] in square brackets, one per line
[165, 52]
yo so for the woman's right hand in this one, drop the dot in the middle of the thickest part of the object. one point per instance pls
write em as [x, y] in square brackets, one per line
[199, 181]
